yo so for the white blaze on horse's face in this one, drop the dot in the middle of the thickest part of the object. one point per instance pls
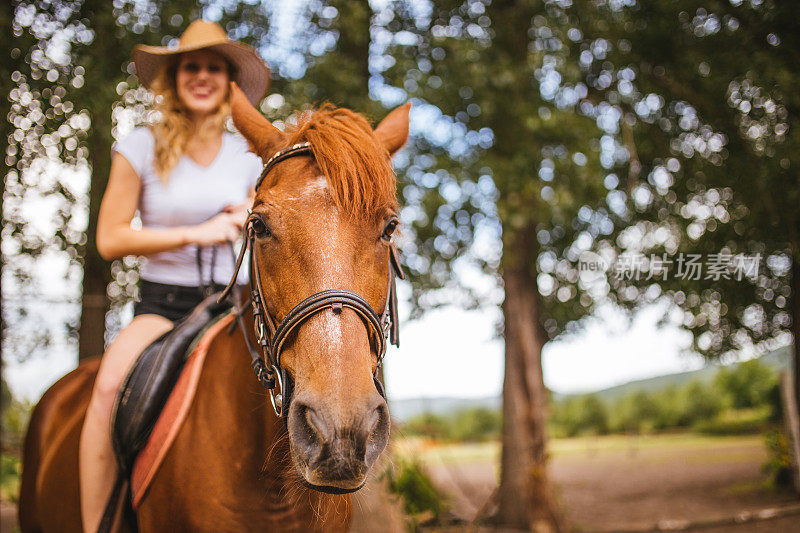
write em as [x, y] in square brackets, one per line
[328, 326]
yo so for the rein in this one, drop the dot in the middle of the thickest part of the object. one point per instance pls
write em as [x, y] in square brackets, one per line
[271, 337]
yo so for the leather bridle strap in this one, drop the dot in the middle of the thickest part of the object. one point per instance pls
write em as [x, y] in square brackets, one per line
[334, 299]
[286, 153]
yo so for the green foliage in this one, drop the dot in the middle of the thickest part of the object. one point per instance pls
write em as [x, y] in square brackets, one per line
[13, 420]
[701, 403]
[421, 499]
[504, 172]
[711, 154]
[779, 459]
[585, 414]
[429, 425]
[475, 425]
[711, 408]
[10, 471]
[748, 384]
[636, 412]
[735, 422]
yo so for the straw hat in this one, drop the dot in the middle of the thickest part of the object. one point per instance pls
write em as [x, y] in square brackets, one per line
[252, 74]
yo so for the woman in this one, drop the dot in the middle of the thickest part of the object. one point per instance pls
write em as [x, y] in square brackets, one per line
[190, 181]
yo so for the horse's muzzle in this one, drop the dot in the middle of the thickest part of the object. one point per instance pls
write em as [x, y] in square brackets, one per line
[333, 451]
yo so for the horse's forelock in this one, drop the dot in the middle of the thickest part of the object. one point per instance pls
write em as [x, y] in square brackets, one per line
[355, 163]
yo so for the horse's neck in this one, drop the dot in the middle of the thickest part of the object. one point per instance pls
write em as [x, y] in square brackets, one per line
[255, 428]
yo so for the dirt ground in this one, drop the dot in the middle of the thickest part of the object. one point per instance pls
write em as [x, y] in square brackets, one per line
[608, 484]
[636, 484]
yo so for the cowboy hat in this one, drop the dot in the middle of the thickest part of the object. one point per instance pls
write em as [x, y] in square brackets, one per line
[251, 73]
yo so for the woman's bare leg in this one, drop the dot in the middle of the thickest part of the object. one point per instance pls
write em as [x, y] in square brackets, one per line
[97, 465]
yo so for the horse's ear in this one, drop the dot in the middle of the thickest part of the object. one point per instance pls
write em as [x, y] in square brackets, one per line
[264, 138]
[393, 130]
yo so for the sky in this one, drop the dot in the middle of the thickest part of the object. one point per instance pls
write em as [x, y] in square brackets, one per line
[455, 353]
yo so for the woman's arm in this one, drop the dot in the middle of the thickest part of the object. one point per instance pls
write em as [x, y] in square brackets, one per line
[116, 238]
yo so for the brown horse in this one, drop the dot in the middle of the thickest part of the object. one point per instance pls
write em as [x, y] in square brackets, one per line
[326, 223]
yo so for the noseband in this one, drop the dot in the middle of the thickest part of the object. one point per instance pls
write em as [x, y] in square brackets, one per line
[271, 337]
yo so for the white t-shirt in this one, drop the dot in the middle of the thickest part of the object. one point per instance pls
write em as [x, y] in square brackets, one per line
[192, 195]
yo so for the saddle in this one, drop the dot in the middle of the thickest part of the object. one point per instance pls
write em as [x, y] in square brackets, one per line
[146, 388]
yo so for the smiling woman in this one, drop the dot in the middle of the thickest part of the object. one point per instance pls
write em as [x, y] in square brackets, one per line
[190, 181]
[197, 82]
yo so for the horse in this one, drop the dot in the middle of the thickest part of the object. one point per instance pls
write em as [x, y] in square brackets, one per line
[321, 222]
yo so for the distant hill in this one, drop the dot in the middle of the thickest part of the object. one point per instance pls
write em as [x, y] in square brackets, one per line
[779, 359]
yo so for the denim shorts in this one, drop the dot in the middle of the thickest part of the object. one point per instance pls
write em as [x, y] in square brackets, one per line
[170, 301]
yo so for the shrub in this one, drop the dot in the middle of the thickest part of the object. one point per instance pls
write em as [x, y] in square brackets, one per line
[734, 423]
[779, 459]
[636, 412]
[701, 403]
[476, 424]
[421, 499]
[428, 425]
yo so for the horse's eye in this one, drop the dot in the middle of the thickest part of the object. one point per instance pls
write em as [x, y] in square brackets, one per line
[259, 228]
[389, 229]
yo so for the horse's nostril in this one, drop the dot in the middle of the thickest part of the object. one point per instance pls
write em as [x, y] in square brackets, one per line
[309, 429]
[373, 421]
[378, 432]
[316, 423]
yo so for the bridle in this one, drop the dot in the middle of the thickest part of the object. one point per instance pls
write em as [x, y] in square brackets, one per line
[271, 337]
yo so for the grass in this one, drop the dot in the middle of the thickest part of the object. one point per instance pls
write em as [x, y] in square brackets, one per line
[466, 453]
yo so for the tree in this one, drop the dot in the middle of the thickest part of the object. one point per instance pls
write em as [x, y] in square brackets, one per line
[73, 66]
[701, 403]
[636, 411]
[72, 82]
[582, 414]
[712, 156]
[504, 160]
[6, 128]
[748, 384]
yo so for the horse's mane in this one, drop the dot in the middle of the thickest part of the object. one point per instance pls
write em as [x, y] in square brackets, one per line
[355, 163]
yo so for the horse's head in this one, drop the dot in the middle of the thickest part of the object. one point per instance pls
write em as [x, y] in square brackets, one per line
[323, 220]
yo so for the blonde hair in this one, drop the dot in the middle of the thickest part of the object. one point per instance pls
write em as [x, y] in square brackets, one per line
[174, 129]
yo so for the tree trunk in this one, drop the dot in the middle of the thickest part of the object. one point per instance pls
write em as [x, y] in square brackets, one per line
[525, 498]
[96, 272]
[6, 128]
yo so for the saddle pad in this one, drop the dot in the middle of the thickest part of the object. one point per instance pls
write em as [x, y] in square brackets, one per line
[173, 415]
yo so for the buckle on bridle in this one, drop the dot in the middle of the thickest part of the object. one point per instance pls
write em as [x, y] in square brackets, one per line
[276, 399]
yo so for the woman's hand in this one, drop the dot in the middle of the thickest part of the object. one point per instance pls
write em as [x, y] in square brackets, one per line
[239, 211]
[225, 227]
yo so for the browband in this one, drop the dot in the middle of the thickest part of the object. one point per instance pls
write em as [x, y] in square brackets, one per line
[286, 153]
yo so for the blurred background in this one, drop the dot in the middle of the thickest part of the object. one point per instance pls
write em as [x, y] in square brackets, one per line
[600, 222]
